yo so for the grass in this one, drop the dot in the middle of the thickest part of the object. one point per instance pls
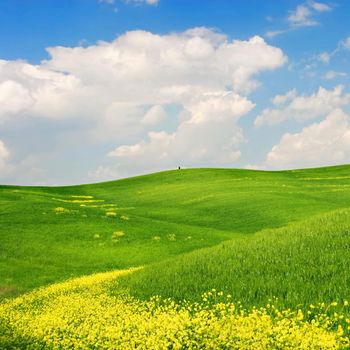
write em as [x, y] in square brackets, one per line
[250, 235]
[301, 264]
[162, 215]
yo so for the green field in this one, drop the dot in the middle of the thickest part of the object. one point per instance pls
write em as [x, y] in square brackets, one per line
[253, 235]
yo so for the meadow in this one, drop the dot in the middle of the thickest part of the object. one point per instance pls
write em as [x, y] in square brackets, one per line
[213, 258]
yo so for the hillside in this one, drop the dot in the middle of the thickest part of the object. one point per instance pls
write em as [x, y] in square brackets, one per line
[189, 259]
[49, 234]
[301, 264]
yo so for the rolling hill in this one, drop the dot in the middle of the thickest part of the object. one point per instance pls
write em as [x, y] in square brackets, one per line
[252, 235]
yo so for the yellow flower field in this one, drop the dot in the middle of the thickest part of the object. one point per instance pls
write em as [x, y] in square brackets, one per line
[83, 314]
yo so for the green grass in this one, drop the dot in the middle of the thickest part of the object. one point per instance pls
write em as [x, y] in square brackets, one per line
[187, 209]
[301, 264]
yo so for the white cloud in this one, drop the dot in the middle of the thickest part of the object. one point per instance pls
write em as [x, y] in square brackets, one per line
[201, 58]
[324, 143]
[4, 153]
[324, 57]
[333, 74]
[346, 43]
[5, 167]
[114, 92]
[282, 99]
[154, 115]
[302, 108]
[110, 2]
[148, 2]
[273, 33]
[320, 7]
[34, 91]
[301, 17]
[209, 136]
[14, 98]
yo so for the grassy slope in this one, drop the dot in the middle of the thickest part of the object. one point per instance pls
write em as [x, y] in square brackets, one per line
[301, 264]
[39, 246]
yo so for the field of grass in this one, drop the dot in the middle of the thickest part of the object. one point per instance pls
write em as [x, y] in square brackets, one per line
[252, 235]
[301, 264]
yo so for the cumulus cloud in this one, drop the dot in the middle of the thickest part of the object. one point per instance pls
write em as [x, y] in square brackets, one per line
[14, 98]
[154, 115]
[324, 143]
[118, 91]
[4, 157]
[4, 153]
[208, 136]
[198, 58]
[28, 90]
[282, 99]
[302, 108]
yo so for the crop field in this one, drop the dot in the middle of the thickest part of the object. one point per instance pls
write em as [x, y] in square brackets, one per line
[186, 259]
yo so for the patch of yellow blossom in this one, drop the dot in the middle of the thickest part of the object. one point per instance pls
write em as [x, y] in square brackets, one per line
[118, 234]
[61, 210]
[83, 314]
[171, 237]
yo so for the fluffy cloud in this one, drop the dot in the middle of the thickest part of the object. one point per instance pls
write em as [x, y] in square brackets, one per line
[14, 98]
[154, 115]
[34, 91]
[137, 68]
[209, 136]
[302, 108]
[118, 91]
[4, 153]
[324, 143]
[198, 58]
[4, 156]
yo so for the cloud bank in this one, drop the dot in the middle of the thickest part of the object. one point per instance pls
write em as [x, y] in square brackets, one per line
[323, 143]
[303, 108]
[122, 92]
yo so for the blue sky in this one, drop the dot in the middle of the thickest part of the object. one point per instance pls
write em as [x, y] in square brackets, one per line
[130, 87]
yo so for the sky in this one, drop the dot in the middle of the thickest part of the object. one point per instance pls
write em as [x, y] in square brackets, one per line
[95, 90]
